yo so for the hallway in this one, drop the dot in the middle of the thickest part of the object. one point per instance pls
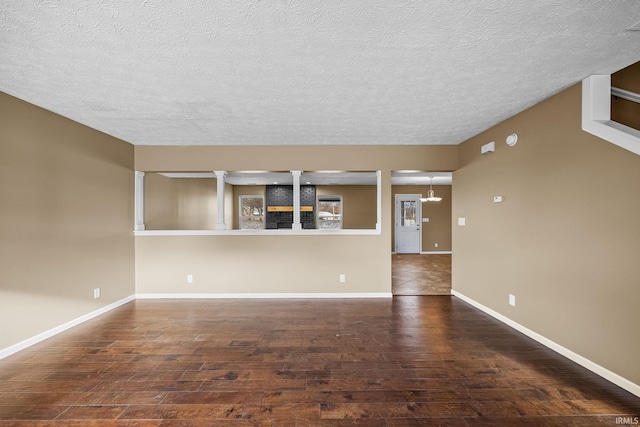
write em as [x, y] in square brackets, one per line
[414, 274]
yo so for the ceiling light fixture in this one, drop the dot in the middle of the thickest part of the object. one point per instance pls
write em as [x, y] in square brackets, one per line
[431, 197]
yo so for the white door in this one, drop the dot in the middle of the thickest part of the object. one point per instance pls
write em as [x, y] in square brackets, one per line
[408, 219]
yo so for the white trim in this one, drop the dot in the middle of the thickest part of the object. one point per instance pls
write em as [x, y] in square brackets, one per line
[296, 225]
[58, 329]
[274, 295]
[378, 200]
[277, 232]
[429, 253]
[220, 199]
[138, 208]
[596, 115]
[580, 360]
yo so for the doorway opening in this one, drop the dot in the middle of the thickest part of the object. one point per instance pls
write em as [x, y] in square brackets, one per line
[421, 243]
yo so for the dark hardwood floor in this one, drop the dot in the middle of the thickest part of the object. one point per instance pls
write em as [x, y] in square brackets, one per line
[421, 274]
[381, 362]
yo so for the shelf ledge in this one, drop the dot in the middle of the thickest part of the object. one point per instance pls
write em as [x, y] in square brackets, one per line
[281, 232]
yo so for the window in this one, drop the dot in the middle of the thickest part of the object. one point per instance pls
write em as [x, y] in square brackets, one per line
[251, 212]
[329, 212]
[408, 213]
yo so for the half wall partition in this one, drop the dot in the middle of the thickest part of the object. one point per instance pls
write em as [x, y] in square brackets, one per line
[256, 202]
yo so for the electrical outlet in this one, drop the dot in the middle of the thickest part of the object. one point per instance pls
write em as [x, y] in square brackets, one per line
[343, 278]
[512, 300]
[436, 245]
[189, 278]
[96, 293]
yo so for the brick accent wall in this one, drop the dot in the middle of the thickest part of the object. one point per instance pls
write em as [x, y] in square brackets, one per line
[308, 198]
[282, 195]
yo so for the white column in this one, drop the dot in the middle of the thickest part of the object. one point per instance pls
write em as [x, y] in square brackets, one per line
[220, 223]
[296, 200]
[379, 196]
[138, 191]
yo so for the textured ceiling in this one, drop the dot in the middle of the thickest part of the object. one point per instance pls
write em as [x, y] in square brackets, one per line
[305, 72]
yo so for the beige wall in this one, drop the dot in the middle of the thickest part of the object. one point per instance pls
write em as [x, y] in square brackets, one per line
[183, 203]
[438, 229]
[160, 206]
[66, 220]
[179, 203]
[263, 264]
[565, 239]
[622, 110]
[281, 158]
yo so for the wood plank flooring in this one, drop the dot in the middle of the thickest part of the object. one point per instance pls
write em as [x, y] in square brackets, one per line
[421, 274]
[395, 362]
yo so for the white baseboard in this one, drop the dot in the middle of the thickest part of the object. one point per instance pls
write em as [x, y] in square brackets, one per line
[58, 329]
[580, 360]
[267, 295]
